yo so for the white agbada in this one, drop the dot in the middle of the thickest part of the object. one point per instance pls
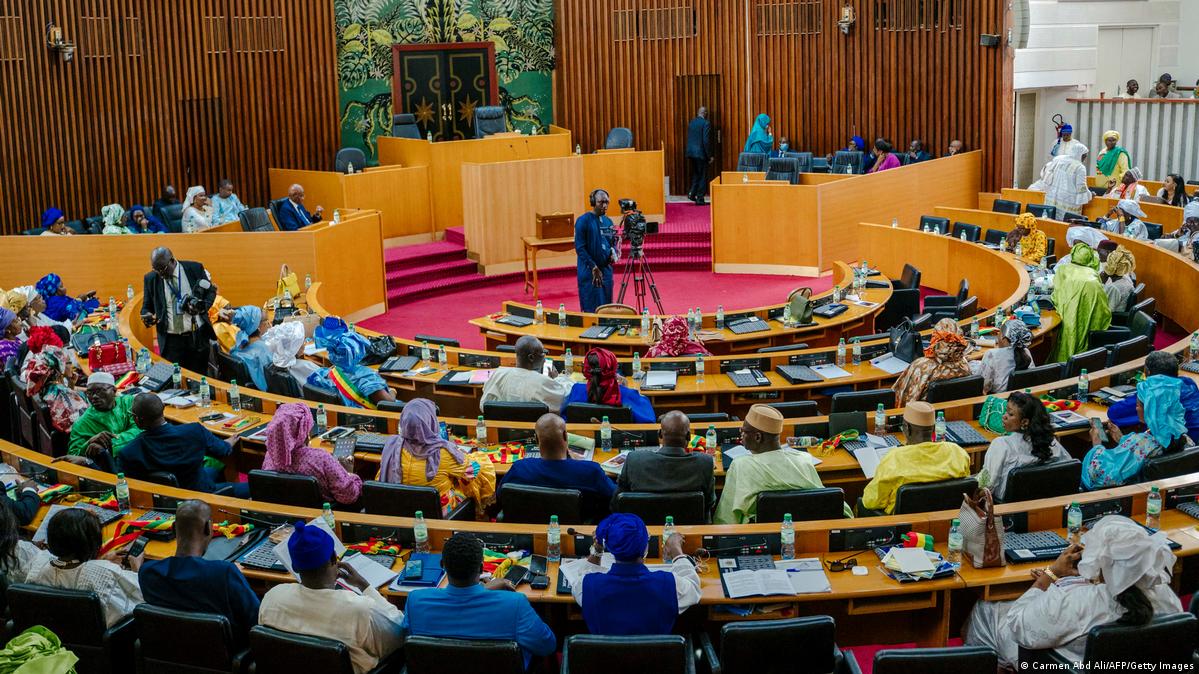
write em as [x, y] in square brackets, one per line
[1064, 180]
[516, 384]
[1011, 451]
[117, 588]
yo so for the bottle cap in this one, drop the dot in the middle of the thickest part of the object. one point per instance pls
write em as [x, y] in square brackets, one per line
[605, 420]
[956, 522]
[419, 514]
[553, 518]
[120, 476]
[326, 506]
[786, 517]
[670, 519]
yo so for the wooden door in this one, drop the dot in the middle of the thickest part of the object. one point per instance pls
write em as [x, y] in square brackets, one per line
[442, 84]
[690, 93]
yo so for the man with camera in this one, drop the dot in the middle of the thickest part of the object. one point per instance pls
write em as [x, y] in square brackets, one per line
[176, 297]
[596, 250]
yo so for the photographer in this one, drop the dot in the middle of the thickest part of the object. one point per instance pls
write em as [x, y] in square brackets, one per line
[596, 251]
[176, 297]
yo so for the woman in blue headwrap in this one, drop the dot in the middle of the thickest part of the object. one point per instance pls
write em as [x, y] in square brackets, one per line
[54, 223]
[358, 385]
[761, 137]
[142, 222]
[1159, 407]
[61, 307]
[253, 354]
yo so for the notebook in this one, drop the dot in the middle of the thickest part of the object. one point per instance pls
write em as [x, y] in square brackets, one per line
[431, 573]
[660, 380]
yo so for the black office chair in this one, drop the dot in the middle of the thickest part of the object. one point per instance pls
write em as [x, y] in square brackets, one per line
[404, 500]
[597, 654]
[1034, 376]
[863, 401]
[948, 306]
[1171, 465]
[403, 125]
[1006, 206]
[846, 161]
[173, 642]
[994, 236]
[769, 646]
[1147, 305]
[839, 422]
[390, 405]
[782, 347]
[231, 368]
[909, 279]
[280, 382]
[1091, 361]
[489, 119]
[94, 224]
[685, 507]
[783, 169]
[348, 156]
[1167, 639]
[583, 413]
[903, 304]
[958, 388]
[255, 220]
[803, 161]
[279, 652]
[435, 655]
[302, 491]
[1128, 350]
[954, 660]
[1042, 211]
[171, 216]
[707, 417]
[750, 161]
[526, 504]
[1075, 219]
[803, 504]
[973, 232]
[317, 394]
[274, 206]
[1141, 325]
[937, 224]
[796, 409]
[77, 619]
[513, 411]
[619, 138]
[77, 225]
[926, 497]
[1043, 480]
[50, 440]
[1153, 230]
[36, 231]
[435, 340]
[1122, 316]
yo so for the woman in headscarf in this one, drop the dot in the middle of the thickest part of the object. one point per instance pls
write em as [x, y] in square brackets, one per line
[253, 354]
[285, 343]
[59, 306]
[1113, 160]
[1010, 354]
[1033, 242]
[197, 212]
[1080, 301]
[1064, 181]
[1129, 187]
[603, 388]
[1174, 191]
[358, 385]
[1125, 219]
[1159, 407]
[1117, 278]
[884, 159]
[419, 456]
[1181, 240]
[287, 451]
[113, 214]
[1094, 238]
[761, 138]
[675, 340]
[11, 328]
[141, 221]
[1119, 574]
[945, 358]
[1029, 440]
[54, 223]
[50, 376]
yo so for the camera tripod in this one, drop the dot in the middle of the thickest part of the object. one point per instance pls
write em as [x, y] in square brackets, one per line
[639, 270]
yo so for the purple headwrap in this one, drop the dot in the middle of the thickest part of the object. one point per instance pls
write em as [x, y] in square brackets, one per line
[6, 319]
[420, 436]
[51, 216]
[624, 535]
[286, 435]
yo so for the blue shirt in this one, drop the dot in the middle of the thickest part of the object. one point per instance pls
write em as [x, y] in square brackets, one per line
[643, 410]
[630, 599]
[586, 476]
[478, 613]
[1124, 412]
[226, 209]
[592, 243]
[174, 449]
[203, 586]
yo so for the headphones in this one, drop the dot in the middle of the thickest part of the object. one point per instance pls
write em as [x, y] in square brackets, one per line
[594, 192]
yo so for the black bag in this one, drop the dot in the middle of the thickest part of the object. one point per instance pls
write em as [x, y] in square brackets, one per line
[1195, 249]
[905, 342]
[381, 348]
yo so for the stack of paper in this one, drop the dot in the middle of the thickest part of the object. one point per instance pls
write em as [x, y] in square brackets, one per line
[806, 575]
[830, 371]
[480, 377]
[871, 455]
[374, 573]
[916, 562]
[889, 363]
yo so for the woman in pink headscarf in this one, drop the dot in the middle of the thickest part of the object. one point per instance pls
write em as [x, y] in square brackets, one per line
[287, 451]
[675, 341]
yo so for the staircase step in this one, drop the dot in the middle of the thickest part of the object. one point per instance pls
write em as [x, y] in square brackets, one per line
[427, 272]
[456, 235]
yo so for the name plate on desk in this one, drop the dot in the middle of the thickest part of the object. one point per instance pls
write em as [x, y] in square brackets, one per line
[865, 538]
[1096, 509]
[686, 367]
[743, 544]
[357, 533]
[478, 360]
[733, 364]
[503, 543]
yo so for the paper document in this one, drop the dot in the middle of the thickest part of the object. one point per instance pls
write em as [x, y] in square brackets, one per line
[460, 377]
[761, 582]
[890, 364]
[311, 349]
[909, 560]
[572, 569]
[806, 575]
[375, 573]
[661, 379]
[869, 457]
[480, 376]
[830, 371]
[614, 465]
[736, 452]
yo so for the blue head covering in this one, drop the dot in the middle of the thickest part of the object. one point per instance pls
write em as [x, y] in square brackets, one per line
[247, 319]
[1161, 397]
[1066, 128]
[624, 535]
[6, 318]
[347, 349]
[859, 143]
[49, 285]
[51, 216]
[329, 328]
[154, 227]
[759, 138]
[310, 547]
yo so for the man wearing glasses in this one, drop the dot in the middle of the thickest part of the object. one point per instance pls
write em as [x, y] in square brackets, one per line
[530, 381]
[176, 297]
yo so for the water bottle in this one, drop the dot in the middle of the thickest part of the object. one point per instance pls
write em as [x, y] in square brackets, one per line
[963, 236]
[121, 491]
[420, 533]
[1195, 346]
[699, 368]
[442, 359]
[667, 532]
[787, 315]
[539, 313]
[699, 319]
[443, 430]
[553, 541]
[322, 419]
[143, 360]
[841, 353]
[481, 430]
[894, 223]
[1084, 386]
[426, 354]
[1032, 295]
[836, 293]
[711, 440]
[177, 377]
[691, 322]
[720, 317]
[429, 136]
[568, 362]
[880, 420]
[307, 281]
[287, 296]
[857, 351]
[578, 149]
[337, 216]
[637, 365]
[129, 292]
[1153, 509]
[561, 315]
[327, 515]
[1019, 252]
[939, 429]
[1003, 245]
[955, 542]
[1074, 522]
[787, 537]
[744, 177]
[645, 323]
[234, 396]
[205, 393]
[605, 435]
[350, 167]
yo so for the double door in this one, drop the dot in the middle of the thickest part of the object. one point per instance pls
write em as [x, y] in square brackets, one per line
[443, 84]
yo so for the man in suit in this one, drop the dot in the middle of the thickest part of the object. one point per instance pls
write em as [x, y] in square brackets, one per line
[293, 215]
[699, 154]
[670, 468]
[176, 297]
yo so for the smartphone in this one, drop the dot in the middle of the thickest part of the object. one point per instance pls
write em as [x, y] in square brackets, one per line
[537, 565]
[1098, 426]
[344, 447]
[414, 569]
[516, 574]
[136, 548]
[540, 582]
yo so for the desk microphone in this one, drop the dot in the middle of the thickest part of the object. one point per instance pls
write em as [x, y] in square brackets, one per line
[253, 519]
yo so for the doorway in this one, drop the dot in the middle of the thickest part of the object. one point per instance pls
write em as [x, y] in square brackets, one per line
[691, 92]
[442, 84]
[1124, 54]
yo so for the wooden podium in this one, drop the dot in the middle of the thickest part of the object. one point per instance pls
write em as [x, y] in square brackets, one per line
[555, 232]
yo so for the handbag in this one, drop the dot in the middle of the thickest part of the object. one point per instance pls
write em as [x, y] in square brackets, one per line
[287, 282]
[905, 342]
[990, 416]
[112, 358]
[982, 534]
[381, 348]
[801, 306]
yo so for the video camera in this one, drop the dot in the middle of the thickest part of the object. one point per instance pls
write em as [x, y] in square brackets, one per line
[634, 224]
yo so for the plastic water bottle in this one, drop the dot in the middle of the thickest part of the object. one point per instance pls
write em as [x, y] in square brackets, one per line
[787, 315]
[720, 317]
[699, 319]
[429, 136]
[711, 440]
[112, 306]
[443, 431]
[939, 429]
[637, 365]
[1084, 386]
[481, 429]
[322, 419]
[1003, 245]
[955, 542]
[426, 354]
[691, 322]
[744, 177]
[442, 359]
[177, 376]
[841, 353]
[667, 531]
[337, 216]
[787, 537]
[894, 223]
[645, 323]
[857, 351]
[836, 293]
[568, 362]
[420, 533]
[605, 435]
[880, 420]
[1195, 346]
[143, 360]
[121, 491]
[287, 296]
[1019, 252]
[1153, 509]
[307, 281]
[327, 515]
[539, 313]
[234, 396]
[129, 292]
[963, 236]
[561, 315]
[699, 368]
[205, 393]
[553, 541]
[350, 167]
[578, 149]
[1074, 522]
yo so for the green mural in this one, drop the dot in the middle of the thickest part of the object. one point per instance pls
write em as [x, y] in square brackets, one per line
[522, 30]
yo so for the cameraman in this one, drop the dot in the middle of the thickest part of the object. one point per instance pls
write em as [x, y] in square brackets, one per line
[175, 300]
[596, 251]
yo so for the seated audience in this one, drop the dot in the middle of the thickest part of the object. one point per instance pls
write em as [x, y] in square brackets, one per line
[60, 307]
[1033, 242]
[419, 456]
[168, 198]
[761, 138]
[293, 215]
[247, 350]
[186, 581]
[1064, 180]
[286, 344]
[1010, 354]
[526, 383]
[1117, 278]
[628, 598]
[883, 157]
[555, 469]
[1029, 441]
[1125, 219]
[467, 609]
[768, 467]
[670, 468]
[287, 451]
[54, 223]
[1119, 574]
[1131, 89]
[225, 205]
[106, 426]
[945, 358]
[114, 216]
[50, 377]
[197, 211]
[1123, 413]
[1094, 238]
[17, 555]
[955, 147]
[74, 537]
[358, 385]
[1159, 408]
[916, 152]
[676, 340]
[368, 624]
[1174, 191]
[1113, 161]
[603, 387]
[921, 460]
[784, 146]
[140, 220]
[1163, 89]
[11, 329]
[1184, 238]
[1129, 187]
[26, 504]
[1080, 301]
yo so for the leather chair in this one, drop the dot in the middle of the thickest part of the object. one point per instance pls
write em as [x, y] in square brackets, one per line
[994, 236]
[320, 395]
[803, 504]
[597, 654]
[1075, 219]
[1129, 349]
[1169, 639]
[909, 279]
[513, 411]
[36, 231]
[863, 401]
[50, 440]
[583, 413]
[707, 417]
[390, 405]
[279, 652]
[750, 161]
[1141, 325]
[1171, 465]
[753, 647]
[954, 660]
[1006, 206]
[803, 160]
[27, 421]
[274, 206]
[973, 232]
[349, 155]
[1091, 361]
[938, 225]
[171, 216]
[231, 368]
[403, 125]
[163, 477]
[280, 382]
[1147, 305]
[1042, 211]
[783, 169]
[526, 504]
[685, 507]
[796, 409]
[839, 422]
[904, 303]
[77, 618]
[256, 220]
[1153, 230]
[926, 497]
[970, 386]
[77, 225]
[435, 655]
[1043, 480]
[846, 158]
[616, 309]
[403, 500]
[1050, 247]
[301, 491]
[1034, 376]
[489, 119]
[619, 138]
[185, 642]
[434, 339]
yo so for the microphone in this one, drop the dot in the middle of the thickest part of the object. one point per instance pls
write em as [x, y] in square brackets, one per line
[253, 519]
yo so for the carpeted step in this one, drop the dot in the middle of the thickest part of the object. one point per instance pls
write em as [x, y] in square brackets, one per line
[437, 252]
[429, 271]
[456, 235]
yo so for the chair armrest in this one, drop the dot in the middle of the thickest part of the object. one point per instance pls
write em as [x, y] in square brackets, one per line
[861, 510]
[118, 641]
[464, 512]
[948, 301]
[707, 654]
[1044, 656]
[846, 663]
[1108, 337]
[393, 663]
[242, 662]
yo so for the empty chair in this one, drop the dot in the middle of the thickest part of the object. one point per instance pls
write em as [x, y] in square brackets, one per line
[301, 491]
[923, 497]
[684, 507]
[994, 236]
[1075, 219]
[846, 161]
[750, 161]
[279, 652]
[863, 401]
[619, 138]
[596, 654]
[280, 382]
[959, 660]
[803, 504]
[1091, 361]
[317, 394]
[908, 279]
[750, 647]
[170, 641]
[794, 409]
[958, 388]
[1167, 639]
[583, 413]
[1171, 465]
[783, 169]
[1006, 206]
[403, 500]
[904, 303]
[1128, 350]
[434, 339]
[803, 160]
[1043, 480]
[937, 224]
[973, 232]
[1034, 376]
[1147, 305]
[513, 411]
[489, 119]
[77, 618]
[348, 157]
[436, 655]
[706, 417]
[255, 220]
[527, 504]
[171, 216]
[616, 309]
[403, 125]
